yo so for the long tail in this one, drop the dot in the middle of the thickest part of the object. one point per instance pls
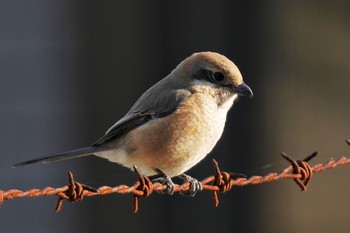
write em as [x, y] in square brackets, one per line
[84, 151]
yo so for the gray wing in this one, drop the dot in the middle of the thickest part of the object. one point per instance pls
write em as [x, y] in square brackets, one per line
[159, 101]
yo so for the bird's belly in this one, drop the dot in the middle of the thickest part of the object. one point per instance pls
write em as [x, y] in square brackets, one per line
[177, 142]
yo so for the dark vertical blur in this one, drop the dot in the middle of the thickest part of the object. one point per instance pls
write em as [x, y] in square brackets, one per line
[70, 69]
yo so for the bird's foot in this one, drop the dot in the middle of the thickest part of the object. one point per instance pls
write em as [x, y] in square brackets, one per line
[195, 185]
[164, 179]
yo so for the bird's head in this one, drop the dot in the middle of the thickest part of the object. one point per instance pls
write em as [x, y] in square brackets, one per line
[215, 74]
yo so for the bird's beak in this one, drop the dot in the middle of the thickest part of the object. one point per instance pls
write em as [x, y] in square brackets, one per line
[244, 90]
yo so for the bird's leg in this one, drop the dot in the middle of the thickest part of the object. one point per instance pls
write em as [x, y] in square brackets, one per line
[195, 185]
[163, 178]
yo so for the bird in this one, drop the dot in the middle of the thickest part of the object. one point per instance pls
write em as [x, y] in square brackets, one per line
[173, 125]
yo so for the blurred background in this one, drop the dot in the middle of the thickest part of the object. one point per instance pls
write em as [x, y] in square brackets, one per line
[70, 69]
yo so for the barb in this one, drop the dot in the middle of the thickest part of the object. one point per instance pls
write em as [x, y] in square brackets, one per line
[302, 168]
[223, 180]
[299, 170]
[75, 192]
[144, 185]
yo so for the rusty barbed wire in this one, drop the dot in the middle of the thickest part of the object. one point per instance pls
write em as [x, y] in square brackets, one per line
[299, 170]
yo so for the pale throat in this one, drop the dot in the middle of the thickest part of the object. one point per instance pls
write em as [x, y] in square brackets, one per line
[223, 97]
[227, 102]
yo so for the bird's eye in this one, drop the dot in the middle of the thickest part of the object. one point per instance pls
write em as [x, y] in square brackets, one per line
[219, 77]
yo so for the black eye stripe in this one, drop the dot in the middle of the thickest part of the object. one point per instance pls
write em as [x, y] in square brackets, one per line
[213, 77]
[203, 74]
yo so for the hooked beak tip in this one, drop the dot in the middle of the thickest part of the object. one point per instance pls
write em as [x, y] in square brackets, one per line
[244, 90]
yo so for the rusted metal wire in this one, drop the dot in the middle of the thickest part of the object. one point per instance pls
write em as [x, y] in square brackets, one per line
[299, 170]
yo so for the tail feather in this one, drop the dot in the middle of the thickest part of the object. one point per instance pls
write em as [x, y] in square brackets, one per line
[84, 151]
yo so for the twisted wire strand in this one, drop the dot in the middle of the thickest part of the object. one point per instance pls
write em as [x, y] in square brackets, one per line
[299, 170]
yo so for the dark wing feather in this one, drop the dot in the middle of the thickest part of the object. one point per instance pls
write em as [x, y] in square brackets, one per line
[122, 127]
[156, 102]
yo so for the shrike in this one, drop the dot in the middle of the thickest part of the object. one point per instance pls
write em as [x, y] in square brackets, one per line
[174, 124]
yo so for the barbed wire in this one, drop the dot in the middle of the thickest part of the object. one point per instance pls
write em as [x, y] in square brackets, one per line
[299, 170]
